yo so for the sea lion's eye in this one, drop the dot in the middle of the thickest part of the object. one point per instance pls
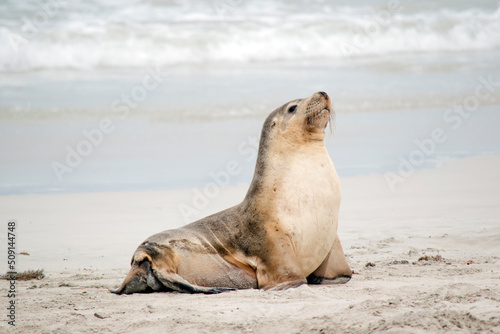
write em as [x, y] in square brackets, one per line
[292, 109]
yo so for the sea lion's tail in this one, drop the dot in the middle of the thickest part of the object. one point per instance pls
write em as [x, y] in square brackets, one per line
[142, 278]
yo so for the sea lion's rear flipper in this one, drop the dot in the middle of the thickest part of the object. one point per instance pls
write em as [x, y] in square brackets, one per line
[139, 279]
[142, 278]
[334, 269]
[177, 283]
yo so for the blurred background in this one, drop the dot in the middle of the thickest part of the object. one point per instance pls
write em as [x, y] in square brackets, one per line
[153, 95]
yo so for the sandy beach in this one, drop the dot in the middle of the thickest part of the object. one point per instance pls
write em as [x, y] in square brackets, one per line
[84, 243]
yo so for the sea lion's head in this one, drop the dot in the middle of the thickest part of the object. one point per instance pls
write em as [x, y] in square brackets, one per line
[289, 132]
[301, 120]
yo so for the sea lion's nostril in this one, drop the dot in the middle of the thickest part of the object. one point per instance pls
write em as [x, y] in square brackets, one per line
[325, 95]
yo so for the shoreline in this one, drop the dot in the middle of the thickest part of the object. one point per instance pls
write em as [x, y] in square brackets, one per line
[140, 154]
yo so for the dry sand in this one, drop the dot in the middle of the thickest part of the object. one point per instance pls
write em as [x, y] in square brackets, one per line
[84, 243]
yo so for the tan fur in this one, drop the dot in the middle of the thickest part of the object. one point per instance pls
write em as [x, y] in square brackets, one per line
[283, 234]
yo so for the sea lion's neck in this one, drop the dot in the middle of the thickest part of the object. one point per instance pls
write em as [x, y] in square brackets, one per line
[274, 163]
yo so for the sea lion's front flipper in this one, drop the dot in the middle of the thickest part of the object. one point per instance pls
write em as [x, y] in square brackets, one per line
[176, 283]
[279, 268]
[334, 269]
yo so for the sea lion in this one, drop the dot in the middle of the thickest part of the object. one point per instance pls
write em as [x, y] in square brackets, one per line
[282, 235]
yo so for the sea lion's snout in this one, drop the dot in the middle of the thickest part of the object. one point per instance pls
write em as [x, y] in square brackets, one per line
[325, 95]
[318, 111]
[318, 102]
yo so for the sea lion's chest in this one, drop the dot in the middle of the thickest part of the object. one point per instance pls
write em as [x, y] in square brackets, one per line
[308, 201]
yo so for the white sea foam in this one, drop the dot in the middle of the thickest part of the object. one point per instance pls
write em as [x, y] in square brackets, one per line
[129, 34]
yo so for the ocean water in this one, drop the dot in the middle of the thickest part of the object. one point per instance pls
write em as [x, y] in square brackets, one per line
[186, 86]
[85, 35]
